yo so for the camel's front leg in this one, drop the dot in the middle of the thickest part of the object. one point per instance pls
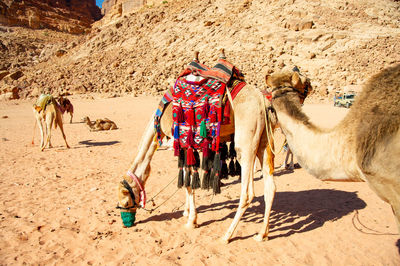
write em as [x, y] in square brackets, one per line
[246, 160]
[40, 124]
[267, 158]
[192, 216]
[186, 208]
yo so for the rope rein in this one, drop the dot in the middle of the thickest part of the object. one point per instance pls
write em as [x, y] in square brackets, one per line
[269, 130]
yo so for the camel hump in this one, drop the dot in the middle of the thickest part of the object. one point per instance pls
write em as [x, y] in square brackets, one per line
[378, 104]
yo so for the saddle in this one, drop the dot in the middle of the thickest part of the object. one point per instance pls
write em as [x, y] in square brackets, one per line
[199, 109]
[42, 102]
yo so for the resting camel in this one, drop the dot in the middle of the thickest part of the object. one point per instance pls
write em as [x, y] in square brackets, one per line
[249, 129]
[365, 146]
[100, 124]
[46, 109]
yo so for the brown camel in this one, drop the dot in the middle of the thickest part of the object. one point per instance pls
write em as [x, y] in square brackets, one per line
[249, 128]
[365, 146]
[100, 124]
[46, 109]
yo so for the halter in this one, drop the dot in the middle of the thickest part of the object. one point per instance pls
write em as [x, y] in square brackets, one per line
[142, 192]
[129, 188]
[132, 195]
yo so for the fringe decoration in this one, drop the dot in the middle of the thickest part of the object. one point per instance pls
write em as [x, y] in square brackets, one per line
[190, 116]
[206, 109]
[224, 170]
[181, 162]
[207, 166]
[190, 159]
[238, 168]
[180, 178]
[203, 129]
[187, 177]
[232, 151]
[215, 175]
[206, 148]
[195, 180]
[232, 171]
[176, 147]
[176, 141]
[181, 117]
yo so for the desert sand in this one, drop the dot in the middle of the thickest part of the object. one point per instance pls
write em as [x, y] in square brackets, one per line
[58, 206]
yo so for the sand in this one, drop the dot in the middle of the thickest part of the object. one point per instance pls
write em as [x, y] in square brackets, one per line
[58, 206]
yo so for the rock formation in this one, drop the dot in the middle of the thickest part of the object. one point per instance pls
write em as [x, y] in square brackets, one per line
[73, 16]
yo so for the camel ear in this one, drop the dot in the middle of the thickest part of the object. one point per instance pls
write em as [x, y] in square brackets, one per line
[296, 79]
[268, 80]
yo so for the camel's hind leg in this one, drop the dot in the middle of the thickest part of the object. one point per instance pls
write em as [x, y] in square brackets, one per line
[49, 123]
[60, 124]
[191, 211]
[246, 156]
[267, 160]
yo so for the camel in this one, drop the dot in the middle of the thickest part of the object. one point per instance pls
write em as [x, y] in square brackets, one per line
[365, 146]
[250, 139]
[46, 109]
[100, 124]
[66, 106]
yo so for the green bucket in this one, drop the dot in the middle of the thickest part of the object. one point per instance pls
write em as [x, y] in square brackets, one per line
[128, 218]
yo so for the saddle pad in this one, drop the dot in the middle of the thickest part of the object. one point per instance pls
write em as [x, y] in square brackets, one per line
[195, 103]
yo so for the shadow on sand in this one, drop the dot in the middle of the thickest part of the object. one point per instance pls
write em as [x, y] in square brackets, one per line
[98, 143]
[292, 212]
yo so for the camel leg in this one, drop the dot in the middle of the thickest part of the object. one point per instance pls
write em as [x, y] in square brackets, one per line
[246, 157]
[186, 209]
[60, 124]
[290, 165]
[40, 124]
[49, 124]
[267, 158]
[34, 129]
[70, 121]
[192, 216]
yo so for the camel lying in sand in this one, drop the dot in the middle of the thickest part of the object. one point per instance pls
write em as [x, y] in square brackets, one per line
[47, 110]
[100, 124]
[365, 146]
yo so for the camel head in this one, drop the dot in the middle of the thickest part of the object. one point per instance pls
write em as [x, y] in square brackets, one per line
[128, 200]
[285, 82]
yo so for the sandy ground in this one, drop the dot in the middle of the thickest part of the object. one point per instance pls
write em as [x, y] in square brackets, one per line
[58, 206]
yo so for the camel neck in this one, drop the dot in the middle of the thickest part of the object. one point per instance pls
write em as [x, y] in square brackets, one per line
[323, 153]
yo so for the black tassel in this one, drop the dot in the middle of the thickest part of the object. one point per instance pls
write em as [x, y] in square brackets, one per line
[238, 168]
[195, 180]
[217, 184]
[232, 171]
[215, 175]
[223, 149]
[181, 158]
[232, 151]
[180, 178]
[181, 162]
[224, 170]
[207, 166]
[206, 180]
[187, 176]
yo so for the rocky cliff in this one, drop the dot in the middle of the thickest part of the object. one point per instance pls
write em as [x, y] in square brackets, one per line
[73, 16]
[337, 44]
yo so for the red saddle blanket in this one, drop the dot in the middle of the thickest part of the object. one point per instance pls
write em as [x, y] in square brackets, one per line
[197, 112]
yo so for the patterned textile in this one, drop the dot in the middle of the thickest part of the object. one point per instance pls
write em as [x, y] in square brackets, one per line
[166, 99]
[196, 103]
[43, 101]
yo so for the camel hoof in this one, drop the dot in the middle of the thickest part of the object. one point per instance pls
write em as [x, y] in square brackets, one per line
[259, 238]
[223, 240]
[191, 225]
